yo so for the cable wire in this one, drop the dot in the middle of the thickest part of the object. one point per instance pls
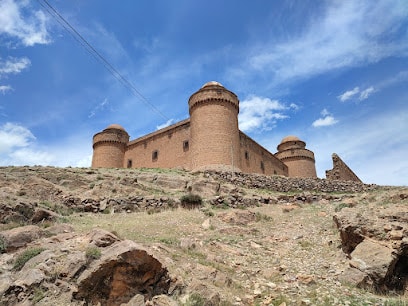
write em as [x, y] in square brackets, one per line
[101, 59]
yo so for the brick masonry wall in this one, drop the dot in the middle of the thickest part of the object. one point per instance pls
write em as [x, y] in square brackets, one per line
[173, 147]
[214, 136]
[109, 148]
[252, 154]
[341, 171]
[108, 155]
[300, 167]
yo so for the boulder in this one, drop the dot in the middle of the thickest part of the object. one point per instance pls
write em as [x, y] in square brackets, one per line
[20, 236]
[238, 217]
[203, 187]
[101, 238]
[41, 214]
[124, 270]
[375, 260]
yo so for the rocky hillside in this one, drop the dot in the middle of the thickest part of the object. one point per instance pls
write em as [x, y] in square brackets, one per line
[168, 237]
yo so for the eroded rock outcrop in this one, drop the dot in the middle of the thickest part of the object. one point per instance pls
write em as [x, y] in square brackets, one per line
[376, 241]
[97, 268]
[124, 270]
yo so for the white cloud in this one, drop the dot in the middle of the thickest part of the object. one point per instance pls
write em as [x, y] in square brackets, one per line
[365, 93]
[326, 121]
[5, 88]
[14, 136]
[13, 65]
[349, 34]
[356, 92]
[325, 112]
[260, 113]
[100, 107]
[28, 156]
[17, 147]
[349, 94]
[166, 124]
[19, 20]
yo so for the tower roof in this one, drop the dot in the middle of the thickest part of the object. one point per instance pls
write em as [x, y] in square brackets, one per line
[212, 83]
[116, 127]
[290, 138]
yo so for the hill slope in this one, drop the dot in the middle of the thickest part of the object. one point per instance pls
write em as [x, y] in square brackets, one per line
[115, 236]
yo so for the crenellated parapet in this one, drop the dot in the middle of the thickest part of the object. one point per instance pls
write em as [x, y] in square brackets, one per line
[213, 92]
[296, 154]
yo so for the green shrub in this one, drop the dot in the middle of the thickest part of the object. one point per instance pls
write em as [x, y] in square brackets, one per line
[340, 206]
[195, 299]
[3, 245]
[26, 256]
[92, 253]
[191, 201]
[38, 295]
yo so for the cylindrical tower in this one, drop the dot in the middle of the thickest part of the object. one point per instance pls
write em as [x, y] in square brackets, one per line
[300, 161]
[214, 128]
[109, 147]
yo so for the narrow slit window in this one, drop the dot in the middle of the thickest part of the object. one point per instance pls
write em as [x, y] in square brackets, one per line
[246, 155]
[186, 145]
[155, 155]
[129, 163]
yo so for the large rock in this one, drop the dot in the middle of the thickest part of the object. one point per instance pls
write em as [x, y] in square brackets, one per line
[20, 236]
[377, 242]
[124, 270]
[238, 217]
[376, 261]
[101, 238]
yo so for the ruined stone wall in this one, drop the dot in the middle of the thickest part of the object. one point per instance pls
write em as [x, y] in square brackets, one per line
[341, 171]
[256, 159]
[166, 148]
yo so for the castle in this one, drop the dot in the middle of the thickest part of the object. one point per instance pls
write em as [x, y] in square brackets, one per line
[209, 140]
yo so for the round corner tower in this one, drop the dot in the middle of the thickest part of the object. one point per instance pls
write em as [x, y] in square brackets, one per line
[293, 153]
[109, 147]
[214, 128]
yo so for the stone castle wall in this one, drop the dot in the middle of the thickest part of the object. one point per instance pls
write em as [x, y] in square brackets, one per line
[214, 129]
[341, 171]
[300, 167]
[166, 148]
[173, 145]
[214, 136]
[256, 159]
[109, 148]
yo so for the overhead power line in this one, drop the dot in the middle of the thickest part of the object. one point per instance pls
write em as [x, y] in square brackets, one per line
[100, 58]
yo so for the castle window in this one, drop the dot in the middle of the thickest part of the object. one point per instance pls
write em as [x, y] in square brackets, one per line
[186, 145]
[262, 166]
[246, 155]
[155, 155]
[274, 172]
[129, 163]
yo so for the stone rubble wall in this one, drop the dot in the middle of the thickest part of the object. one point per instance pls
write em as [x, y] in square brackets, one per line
[286, 184]
[230, 193]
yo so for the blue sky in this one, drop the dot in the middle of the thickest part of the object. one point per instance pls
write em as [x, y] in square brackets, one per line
[333, 73]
